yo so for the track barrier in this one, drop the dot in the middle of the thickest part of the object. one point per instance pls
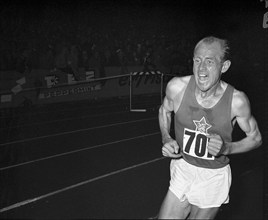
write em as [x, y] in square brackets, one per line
[130, 85]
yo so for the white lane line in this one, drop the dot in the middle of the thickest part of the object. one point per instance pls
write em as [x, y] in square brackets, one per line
[247, 172]
[64, 119]
[25, 202]
[79, 150]
[75, 131]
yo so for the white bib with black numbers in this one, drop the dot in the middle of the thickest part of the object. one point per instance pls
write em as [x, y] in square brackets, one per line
[195, 142]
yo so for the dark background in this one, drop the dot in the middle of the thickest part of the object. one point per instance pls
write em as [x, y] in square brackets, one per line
[39, 25]
[32, 24]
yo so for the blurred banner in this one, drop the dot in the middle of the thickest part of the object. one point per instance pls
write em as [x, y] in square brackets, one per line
[50, 86]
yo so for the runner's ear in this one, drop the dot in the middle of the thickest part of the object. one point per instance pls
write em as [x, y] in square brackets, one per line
[225, 66]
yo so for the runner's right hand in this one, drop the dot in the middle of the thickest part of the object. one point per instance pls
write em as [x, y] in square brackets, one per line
[171, 149]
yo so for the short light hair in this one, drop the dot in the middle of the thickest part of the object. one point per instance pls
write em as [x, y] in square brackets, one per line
[223, 43]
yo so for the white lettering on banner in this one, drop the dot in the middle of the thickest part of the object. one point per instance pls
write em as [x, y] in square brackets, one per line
[51, 80]
[21, 81]
[72, 91]
[265, 20]
[266, 3]
[90, 74]
[71, 79]
[265, 16]
[6, 98]
[16, 89]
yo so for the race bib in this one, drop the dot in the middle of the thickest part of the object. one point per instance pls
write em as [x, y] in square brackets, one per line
[195, 144]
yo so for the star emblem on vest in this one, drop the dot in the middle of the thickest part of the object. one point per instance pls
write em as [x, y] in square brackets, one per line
[202, 125]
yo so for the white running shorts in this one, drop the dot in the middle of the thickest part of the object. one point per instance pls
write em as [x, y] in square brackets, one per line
[205, 188]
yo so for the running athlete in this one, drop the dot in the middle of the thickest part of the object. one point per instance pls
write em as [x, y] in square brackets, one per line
[205, 111]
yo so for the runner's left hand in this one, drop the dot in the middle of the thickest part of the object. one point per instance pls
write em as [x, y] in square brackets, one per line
[215, 144]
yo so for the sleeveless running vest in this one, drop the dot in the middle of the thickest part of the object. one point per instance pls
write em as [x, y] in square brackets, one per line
[193, 122]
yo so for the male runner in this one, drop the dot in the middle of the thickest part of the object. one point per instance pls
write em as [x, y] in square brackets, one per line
[205, 111]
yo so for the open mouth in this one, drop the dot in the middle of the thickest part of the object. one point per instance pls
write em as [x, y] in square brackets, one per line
[202, 77]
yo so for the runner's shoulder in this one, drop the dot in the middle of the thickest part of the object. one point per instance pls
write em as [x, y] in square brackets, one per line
[240, 101]
[177, 85]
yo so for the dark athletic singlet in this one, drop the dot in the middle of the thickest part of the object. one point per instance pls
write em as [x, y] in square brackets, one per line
[193, 122]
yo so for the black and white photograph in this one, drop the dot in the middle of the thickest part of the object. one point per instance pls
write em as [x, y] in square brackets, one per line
[136, 109]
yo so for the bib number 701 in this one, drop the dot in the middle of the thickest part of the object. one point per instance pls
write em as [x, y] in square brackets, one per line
[195, 144]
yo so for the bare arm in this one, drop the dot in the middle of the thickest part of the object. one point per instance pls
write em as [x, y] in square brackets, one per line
[164, 117]
[170, 104]
[170, 147]
[241, 110]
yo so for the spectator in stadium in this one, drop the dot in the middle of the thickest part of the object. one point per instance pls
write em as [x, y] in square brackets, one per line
[95, 63]
[73, 60]
[148, 61]
[205, 111]
[122, 59]
[66, 60]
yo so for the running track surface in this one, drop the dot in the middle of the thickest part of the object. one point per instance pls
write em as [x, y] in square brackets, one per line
[99, 160]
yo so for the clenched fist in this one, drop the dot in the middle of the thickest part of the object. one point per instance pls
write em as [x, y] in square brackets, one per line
[171, 149]
[215, 144]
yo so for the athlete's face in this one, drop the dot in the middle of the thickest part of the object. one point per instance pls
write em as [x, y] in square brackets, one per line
[207, 65]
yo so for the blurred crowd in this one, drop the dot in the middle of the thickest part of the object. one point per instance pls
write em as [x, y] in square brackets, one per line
[51, 38]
